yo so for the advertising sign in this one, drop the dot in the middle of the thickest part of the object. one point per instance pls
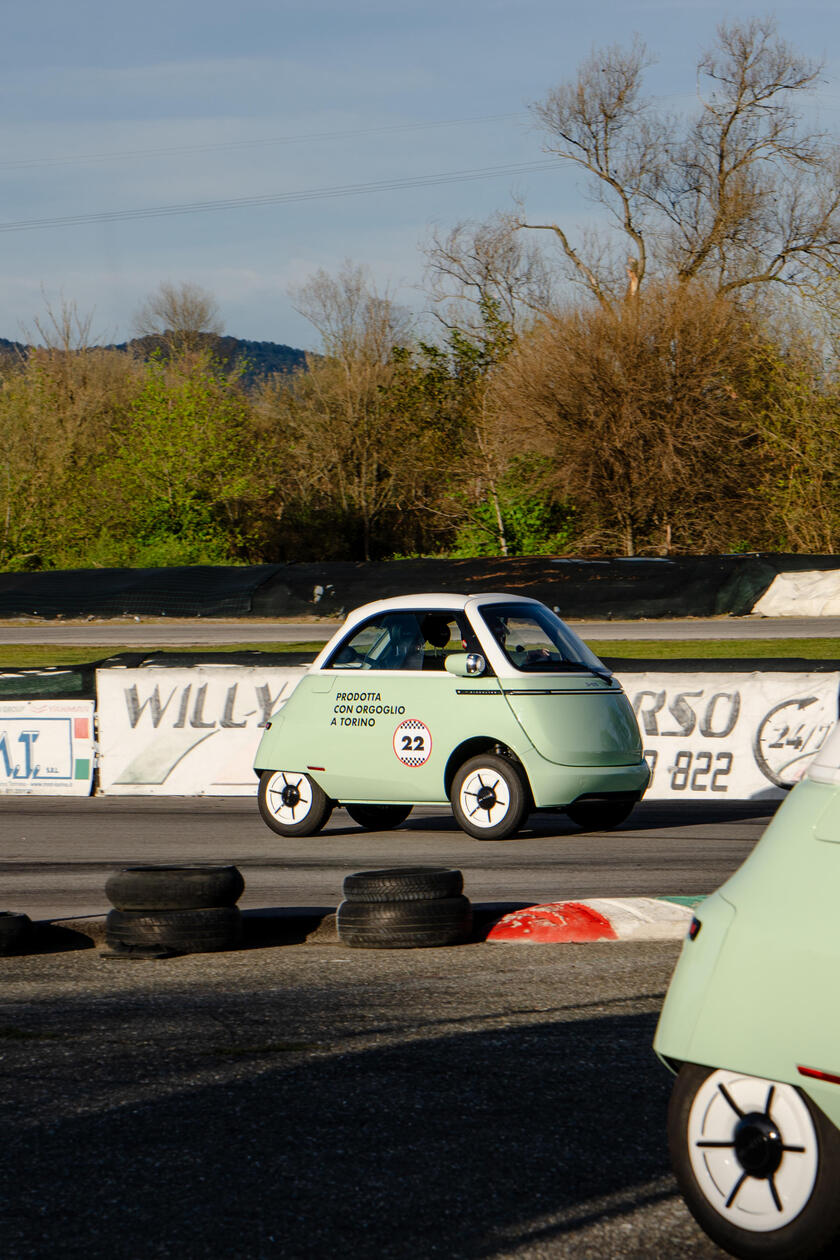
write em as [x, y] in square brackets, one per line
[745, 736]
[194, 731]
[186, 732]
[46, 747]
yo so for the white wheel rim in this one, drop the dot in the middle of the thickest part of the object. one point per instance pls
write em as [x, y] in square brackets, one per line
[289, 796]
[484, 797]
[722, 1109]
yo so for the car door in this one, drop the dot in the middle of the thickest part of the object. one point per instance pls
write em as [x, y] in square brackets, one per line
[389, 712]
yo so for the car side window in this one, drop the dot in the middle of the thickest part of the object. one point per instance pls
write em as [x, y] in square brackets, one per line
[534, 639]
[400, 640]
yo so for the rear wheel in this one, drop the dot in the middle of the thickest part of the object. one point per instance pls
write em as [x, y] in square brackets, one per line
[489, 797]
[291, 803]
[379, 817]
[757, 1163]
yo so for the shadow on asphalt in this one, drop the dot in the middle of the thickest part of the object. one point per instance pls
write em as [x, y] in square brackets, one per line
[648, 816]
[454, 1145]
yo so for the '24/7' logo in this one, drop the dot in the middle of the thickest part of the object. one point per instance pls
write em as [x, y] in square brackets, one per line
[789, 736]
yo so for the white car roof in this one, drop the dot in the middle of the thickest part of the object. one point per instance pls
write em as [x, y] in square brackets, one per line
[442, 600]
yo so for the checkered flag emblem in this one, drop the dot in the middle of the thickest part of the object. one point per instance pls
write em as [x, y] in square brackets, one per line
[413, 742]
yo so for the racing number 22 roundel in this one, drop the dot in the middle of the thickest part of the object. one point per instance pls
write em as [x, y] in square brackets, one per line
[413, 742]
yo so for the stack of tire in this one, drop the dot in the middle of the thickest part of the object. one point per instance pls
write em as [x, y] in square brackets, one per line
[407, 907]
[161, 911]
[14, 932]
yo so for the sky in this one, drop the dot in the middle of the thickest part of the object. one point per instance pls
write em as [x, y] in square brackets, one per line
[329, 131]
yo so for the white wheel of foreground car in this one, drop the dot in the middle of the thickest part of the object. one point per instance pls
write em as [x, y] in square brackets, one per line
[489, 797]
[291, 803]
[756, 1163]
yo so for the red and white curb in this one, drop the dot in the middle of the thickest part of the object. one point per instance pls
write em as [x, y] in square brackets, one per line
[595, 919]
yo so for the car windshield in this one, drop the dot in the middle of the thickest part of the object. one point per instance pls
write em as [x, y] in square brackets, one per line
[401, 640]
[535, 640]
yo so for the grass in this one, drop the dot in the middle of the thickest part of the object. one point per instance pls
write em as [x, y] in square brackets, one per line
[25, 656]
[43, 656]
[719, 649]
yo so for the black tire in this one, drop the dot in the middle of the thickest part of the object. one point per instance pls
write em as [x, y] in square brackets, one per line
[291, 803]
[14, 930]
[379, 817]
[404, 883]
[177, 931]
[489, 797]
[174, 887]
[812, 1213]
[404, 924]
[600, 815]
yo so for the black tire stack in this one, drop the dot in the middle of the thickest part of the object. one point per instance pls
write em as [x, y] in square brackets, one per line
[407, 907]
[160, 911]
[14, 932]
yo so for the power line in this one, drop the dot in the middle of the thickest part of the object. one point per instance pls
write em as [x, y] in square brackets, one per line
[222, 145]
[280, 199]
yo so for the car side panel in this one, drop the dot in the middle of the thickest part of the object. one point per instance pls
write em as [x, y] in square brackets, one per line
[340, 726]
[761, 982]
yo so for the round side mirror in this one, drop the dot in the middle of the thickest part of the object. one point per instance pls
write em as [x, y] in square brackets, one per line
[465, 664]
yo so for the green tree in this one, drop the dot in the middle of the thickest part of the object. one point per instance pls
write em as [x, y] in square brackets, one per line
[58, 407]
[183, 475]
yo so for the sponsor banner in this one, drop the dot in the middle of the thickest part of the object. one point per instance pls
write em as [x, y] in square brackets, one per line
[186, 732]
[745, 736]
[46, 747]
[194, 731]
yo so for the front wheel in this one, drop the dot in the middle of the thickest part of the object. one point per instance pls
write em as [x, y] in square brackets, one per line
[379, 817]
[757, 1164]
[291, 803]
[489, 797]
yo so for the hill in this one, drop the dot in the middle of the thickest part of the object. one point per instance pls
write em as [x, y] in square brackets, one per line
[257, 359]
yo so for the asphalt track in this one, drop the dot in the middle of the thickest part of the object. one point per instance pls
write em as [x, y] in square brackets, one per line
[484, 1102]
[56, 853]
[158, 633]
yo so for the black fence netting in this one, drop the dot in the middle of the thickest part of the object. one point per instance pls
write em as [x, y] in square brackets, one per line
[188, 591]
[685, 586]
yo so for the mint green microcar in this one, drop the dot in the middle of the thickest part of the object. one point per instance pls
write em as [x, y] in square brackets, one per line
[751, 1025]
[489, 703]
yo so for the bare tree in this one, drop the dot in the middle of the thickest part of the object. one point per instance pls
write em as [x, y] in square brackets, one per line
[478, 265]
[182, 316]
[348, 439]
[353, 319]
[63, 328]
[601, 123]
[741, 196]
